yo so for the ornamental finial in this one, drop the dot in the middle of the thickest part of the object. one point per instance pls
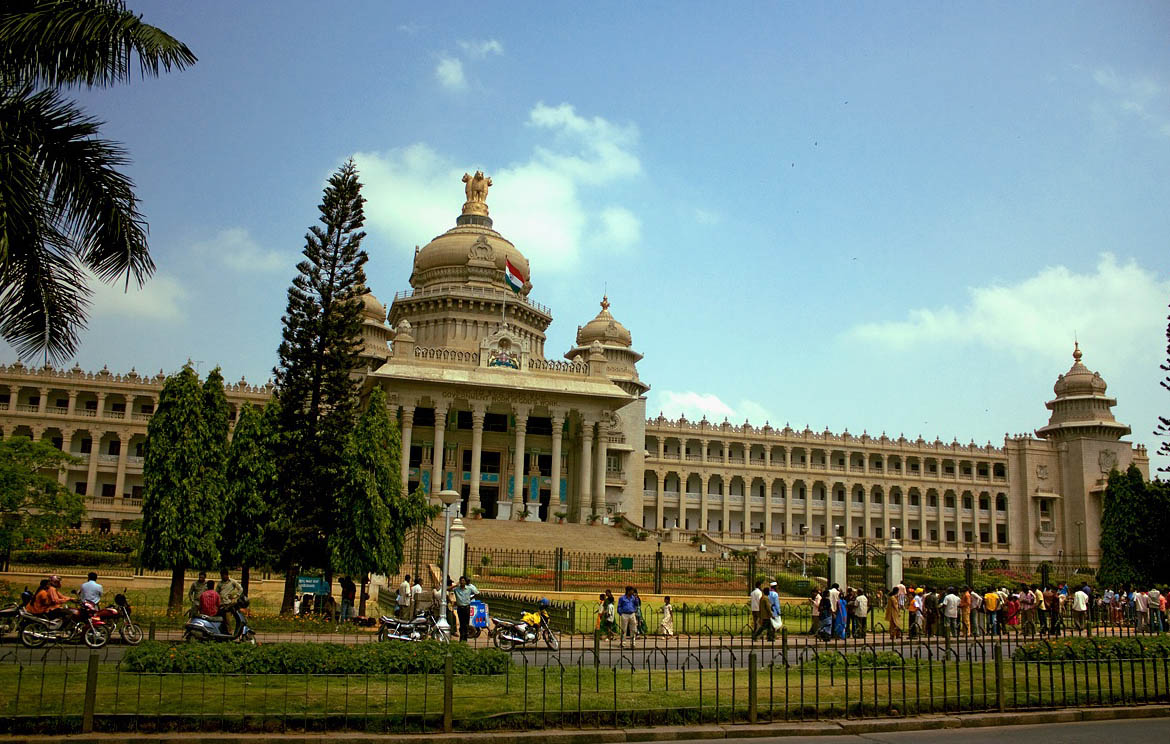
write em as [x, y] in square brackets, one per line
[476, 191]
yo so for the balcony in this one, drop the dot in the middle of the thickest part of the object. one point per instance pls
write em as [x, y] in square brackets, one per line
[615, 476]
[108, 459]
[649, 494]
[694, 458]
[736, 459]
[135, 462]
[146, 417]
[26, 408]
[57, 410]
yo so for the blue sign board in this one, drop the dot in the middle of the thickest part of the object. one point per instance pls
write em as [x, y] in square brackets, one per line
[311, 585]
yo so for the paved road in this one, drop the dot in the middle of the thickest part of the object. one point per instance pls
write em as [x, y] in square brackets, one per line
[1088, 732]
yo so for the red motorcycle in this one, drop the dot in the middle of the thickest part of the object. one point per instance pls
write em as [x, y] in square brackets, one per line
[81, 624]
[117, 617]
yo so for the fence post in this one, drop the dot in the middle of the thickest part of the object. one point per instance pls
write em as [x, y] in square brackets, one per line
[752, 687]
[448, 694]
[150, 631]
[90, 694]
[558, 578]
[751, 572]
[997, 655]
[658, 571]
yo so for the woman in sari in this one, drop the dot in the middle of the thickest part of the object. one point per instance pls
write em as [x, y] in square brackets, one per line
[894, 614]
[840, 618]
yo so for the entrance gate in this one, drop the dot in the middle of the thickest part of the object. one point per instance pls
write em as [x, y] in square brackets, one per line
[422, 547]
[865, 567]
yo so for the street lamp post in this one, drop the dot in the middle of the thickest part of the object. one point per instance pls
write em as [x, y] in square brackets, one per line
[1080, 552]
[448, 497]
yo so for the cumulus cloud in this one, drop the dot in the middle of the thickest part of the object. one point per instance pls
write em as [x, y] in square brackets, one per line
[160, 299]
[481, 49]
[235, 248]
[695, 405]
[1119, 306]
[449, 73]
[544, 203]
[1138, 97]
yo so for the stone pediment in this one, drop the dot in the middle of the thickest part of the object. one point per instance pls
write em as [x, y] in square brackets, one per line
[504, 350]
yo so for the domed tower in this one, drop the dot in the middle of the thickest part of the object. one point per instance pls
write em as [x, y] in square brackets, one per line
[616, 342]
[1081, 409]
[376, 334]
[467, 281]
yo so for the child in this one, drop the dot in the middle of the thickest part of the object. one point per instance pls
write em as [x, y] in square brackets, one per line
[666, 627]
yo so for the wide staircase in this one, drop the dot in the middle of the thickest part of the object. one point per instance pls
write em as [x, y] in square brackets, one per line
[544, 536]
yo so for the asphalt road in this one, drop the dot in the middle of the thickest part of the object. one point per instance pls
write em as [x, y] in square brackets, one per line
[1087, 732]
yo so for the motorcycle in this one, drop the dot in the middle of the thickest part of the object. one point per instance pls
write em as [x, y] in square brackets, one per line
[117, 617]
[531, 628]
[80, 624]
[10, 614]
[207, 628]
[423, 626]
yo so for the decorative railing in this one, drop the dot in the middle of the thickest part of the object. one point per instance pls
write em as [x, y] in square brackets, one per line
[442, 354]
[464, 291]
[553, 365]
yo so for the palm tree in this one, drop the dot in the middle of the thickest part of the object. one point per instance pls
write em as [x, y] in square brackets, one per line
[66, 211]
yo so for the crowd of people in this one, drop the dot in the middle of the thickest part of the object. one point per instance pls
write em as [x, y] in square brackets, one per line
[839, 614]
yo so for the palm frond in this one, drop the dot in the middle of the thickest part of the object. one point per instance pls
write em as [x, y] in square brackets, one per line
[82, 42]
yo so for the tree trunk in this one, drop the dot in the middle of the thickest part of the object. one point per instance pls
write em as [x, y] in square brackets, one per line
[362, 595]
[245, 578]
[175, 601]
[290, 591]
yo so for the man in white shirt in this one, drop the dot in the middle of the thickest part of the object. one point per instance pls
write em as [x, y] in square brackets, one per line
[1080, 607]
[860, 614]
[754, 602]
[91, 590]
[834, 594]
[950, 613]
[402, 599]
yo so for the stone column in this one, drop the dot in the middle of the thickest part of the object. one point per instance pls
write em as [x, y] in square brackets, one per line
[584, 487]
[702, 526]
[599, 487]
[123, 447]
[768, 457]
[705, 442]
[848, 511]
[67, 447]
[893, 563]
[788, 458]
[767, 510]
[922, 534]
[725, 485]
[43, 401]
[95, 448]
[477, 413]
[659, 506]
[555, 503]
[439, 452]
[101, 406]
[407, 426]
[866, 509]
[72, 402]
[519, 474]
[661, 448]
[837, 553]
[126, 415]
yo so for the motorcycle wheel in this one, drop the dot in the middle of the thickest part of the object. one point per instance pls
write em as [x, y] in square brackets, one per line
[131, 633]
[249, 638]
[191, 636]
[96, 637]
[504, 644]
[29, 637]
[439, 635]
[382, 633]
[551, 640]
[474, 632]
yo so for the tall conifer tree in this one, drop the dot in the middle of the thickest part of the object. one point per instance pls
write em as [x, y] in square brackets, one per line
[320, 347]
[251, 482]
[183, 477]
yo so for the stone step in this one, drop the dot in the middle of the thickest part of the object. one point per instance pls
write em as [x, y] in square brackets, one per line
[542, 536]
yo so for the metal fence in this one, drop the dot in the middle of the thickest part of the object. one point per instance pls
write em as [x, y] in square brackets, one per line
[705, 679]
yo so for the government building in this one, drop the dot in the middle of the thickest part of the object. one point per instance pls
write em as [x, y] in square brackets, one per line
[482, 410]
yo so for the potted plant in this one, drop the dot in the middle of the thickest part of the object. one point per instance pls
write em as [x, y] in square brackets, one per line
[477, 512]
[560, 517]
[485, 561]
[526, 513]
[592, 519]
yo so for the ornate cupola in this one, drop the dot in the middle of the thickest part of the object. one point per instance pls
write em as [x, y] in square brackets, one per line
[376, 334]
[617, 345]
[1081, 408]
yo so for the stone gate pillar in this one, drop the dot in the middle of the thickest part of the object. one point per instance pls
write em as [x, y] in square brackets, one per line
[893, 563]
[837, 553]
[458, 543]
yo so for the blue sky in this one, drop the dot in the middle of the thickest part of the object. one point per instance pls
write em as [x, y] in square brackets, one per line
[866, 216]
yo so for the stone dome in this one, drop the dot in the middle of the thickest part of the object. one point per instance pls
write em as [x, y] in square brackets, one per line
[1079, 380]
[604, 329]
[373, 309]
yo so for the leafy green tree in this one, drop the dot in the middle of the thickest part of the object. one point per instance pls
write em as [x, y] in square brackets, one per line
[66, 209]
[319, 350]
[251, 478]
[1134, 524]
[182, 502]
[33, 503]
[371, 515]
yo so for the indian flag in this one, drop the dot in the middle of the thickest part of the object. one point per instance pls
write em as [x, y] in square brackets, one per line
[513, 277]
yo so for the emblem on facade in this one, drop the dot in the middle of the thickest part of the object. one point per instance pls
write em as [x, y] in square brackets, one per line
[1107, 460]
[1042, 472]
[502, 358]
[504, 350]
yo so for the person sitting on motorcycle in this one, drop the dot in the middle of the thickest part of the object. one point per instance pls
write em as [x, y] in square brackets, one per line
[48, 600]
[209, 600]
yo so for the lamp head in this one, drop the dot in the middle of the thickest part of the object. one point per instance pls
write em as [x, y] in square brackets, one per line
[448, 497]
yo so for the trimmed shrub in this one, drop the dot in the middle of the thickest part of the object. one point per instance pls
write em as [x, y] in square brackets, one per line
[311, 658]
[87, 558]
[1094, 648]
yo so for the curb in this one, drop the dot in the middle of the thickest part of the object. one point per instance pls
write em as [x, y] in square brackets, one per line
[664, 733]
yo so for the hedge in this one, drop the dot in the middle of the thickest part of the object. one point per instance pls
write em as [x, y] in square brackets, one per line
[311, 658]
[100, 542]
[1092, 648]
[88, 558]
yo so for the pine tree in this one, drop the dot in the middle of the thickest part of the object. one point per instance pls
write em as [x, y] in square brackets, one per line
[183, 476]
[251, 479]
[320, 347]
[372, 516]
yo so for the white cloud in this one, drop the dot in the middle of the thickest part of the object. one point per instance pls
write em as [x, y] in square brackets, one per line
[449, 73]
[236, 249]
[481, 49]
[695, 406]
[543, 204]
[160, 299]
[1140, 97]
[1117, 309]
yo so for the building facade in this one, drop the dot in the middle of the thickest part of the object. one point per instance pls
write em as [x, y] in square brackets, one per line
[482, 410]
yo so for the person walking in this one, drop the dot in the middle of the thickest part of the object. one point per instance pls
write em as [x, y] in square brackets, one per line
[627, 617]
[950, 613]
[348, 595]
[756, 605]
[1080, 608]
[1028, 610]
[464, 592]
[776, 619]
[894, 613]
[814, 611]
[666, 625]
[991, 607]
[402, 598]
